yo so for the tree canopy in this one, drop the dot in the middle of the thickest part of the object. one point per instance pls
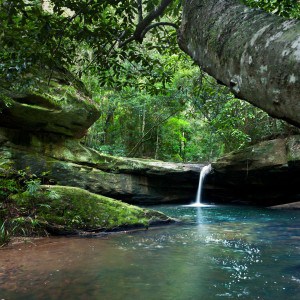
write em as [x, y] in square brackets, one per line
[98, 35]
[154, 101]
[85, 36]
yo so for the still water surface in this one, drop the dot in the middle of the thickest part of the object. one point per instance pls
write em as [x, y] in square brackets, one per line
[217, 252]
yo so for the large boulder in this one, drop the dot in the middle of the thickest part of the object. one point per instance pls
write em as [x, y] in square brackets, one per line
[254, 53]
[47, 101]
[263, 174]
[69, 210]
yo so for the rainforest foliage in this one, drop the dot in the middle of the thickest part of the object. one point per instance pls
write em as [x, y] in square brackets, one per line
[154, 101]
[284, 8]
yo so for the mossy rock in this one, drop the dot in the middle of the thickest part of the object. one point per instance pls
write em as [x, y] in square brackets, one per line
[68, 162]
[69, 210]
[265, 155]
[47, 101]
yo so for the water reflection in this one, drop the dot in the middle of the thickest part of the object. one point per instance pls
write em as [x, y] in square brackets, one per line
[199, 216]
[217, 252]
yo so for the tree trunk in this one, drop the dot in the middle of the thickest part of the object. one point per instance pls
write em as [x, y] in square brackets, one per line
[157, 143]
[143, 127]
[254, 53]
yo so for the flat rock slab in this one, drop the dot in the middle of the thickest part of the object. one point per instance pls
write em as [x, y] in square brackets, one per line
[293, 205]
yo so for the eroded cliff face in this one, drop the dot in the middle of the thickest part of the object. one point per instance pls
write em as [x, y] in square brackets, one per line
[264, 174]
[67, 162]
[254, 53]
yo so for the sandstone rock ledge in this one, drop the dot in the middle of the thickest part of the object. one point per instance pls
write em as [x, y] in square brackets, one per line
[49, 101]
[264, 174]
[67, 162]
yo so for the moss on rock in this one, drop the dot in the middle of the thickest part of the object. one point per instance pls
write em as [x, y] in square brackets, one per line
[64, 210]
[48, 100]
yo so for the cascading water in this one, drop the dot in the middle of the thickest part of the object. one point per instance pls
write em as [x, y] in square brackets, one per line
[205, 170]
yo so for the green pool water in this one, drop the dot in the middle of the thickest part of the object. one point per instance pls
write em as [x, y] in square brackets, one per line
[216, 252]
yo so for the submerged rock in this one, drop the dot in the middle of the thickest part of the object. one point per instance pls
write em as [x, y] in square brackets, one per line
[293, 205]
[70, 210]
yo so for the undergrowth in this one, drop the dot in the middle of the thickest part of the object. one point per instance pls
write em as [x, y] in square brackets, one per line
[14, 219]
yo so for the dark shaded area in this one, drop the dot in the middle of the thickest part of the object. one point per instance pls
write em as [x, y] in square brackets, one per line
[260, 187]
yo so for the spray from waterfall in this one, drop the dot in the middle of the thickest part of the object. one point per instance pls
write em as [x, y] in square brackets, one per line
[205, 170]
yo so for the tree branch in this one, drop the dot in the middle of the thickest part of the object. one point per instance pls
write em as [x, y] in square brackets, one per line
[140, 10]
[148, 28]
[69, 21]
[158, 11]
[130, 39]
[254, 53]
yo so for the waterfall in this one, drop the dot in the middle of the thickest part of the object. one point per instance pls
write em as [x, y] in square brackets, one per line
[205, 170]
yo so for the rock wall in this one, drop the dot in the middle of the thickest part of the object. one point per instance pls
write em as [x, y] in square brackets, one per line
[263, 174]
[48, 101]
[67, 162]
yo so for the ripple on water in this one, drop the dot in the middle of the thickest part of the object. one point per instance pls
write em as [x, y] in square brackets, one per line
[215, 253]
